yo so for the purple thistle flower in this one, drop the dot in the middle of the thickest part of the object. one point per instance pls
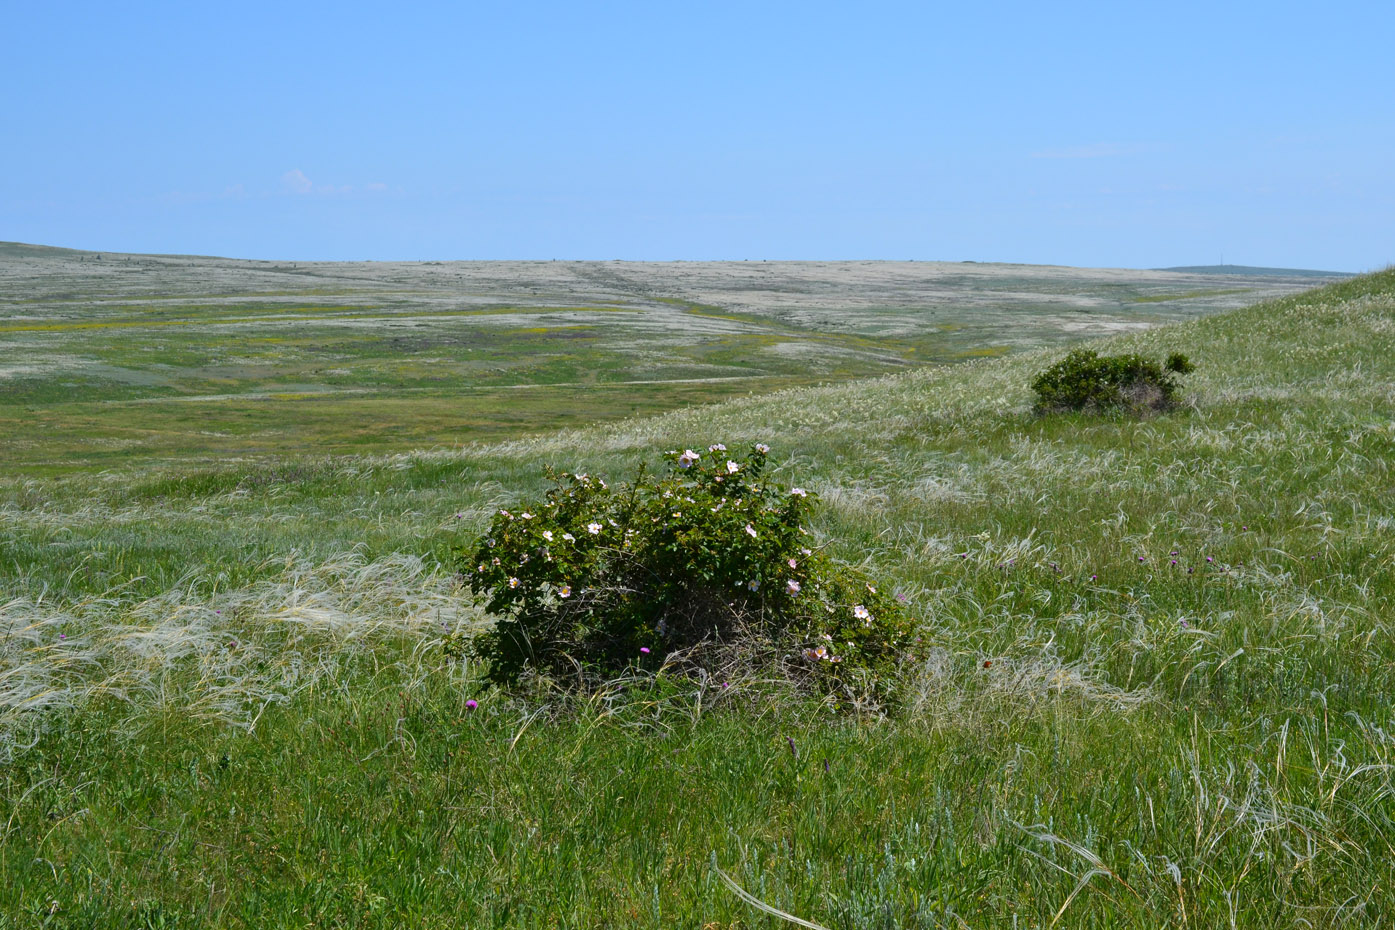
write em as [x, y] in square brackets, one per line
[471, 704]
[644, 650]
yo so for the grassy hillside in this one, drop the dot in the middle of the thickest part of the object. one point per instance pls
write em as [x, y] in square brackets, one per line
[1158, 694]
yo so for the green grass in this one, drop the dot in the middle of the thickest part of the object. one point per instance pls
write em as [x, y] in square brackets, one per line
[224, 700]
[102, 392]
[1188, 295]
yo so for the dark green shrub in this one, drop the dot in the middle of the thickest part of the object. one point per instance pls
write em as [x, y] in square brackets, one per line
[1179, 363]
[1086, 380]
[681, 568]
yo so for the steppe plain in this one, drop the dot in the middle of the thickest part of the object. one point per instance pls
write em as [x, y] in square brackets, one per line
[108, 358]
[1158, 651]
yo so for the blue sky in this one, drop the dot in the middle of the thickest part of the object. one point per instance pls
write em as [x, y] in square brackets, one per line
[1110, 134]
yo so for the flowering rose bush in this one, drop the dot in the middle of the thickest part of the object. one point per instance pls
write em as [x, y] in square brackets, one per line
[707, 557]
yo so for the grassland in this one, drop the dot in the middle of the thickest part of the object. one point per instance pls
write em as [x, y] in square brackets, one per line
[115, 361]
[1158, 694]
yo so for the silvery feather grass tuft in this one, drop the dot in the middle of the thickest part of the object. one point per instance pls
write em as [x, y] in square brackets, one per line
[220, 655]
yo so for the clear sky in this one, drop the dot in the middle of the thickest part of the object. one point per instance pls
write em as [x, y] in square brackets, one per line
[1109, 134]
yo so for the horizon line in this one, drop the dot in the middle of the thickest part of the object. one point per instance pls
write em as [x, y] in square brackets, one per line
[659, 261]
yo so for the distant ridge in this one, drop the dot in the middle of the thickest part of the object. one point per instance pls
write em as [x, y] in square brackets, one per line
[29, 250]
[13, 250]
[1252, 270]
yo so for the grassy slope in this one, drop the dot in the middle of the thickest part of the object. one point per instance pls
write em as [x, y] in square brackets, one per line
[1150, 744]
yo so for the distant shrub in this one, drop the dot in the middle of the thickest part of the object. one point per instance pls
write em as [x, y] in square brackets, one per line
[1179, 363]
[1086, 380]
[682, 568]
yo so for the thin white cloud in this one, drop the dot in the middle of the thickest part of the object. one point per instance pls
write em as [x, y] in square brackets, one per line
[293, 183]
[296, 182]
[1100, 150]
